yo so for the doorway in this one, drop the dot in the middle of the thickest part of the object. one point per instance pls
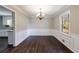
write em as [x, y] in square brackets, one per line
[7, 27]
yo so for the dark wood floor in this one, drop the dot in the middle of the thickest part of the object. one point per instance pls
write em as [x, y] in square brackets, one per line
[39, 44]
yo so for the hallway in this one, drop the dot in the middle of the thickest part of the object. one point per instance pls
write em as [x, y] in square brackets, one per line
[39, 44]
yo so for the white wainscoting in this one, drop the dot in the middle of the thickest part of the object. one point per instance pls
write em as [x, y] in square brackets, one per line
[75, 39]
[39, 32]
[20, 36]
[70, 40]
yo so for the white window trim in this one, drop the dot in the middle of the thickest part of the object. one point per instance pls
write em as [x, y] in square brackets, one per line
[60, 20]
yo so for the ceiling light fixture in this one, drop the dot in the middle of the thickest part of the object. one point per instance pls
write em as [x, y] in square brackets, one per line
[40, 15]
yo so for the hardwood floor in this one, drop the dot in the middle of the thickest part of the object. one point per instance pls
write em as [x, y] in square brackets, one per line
[39, 44]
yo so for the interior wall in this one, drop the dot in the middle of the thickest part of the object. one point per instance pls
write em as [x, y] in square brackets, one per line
[21, 25]
[40, 27]
[57, 19]
[21, 22]
[71, 40]
[41, 24]
[57, 23]
[74, 19]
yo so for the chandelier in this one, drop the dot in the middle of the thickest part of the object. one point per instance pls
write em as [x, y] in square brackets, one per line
[40, 15]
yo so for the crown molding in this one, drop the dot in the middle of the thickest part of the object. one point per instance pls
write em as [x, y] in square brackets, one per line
[14, 8]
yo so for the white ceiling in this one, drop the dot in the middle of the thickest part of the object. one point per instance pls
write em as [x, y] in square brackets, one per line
[49, 10]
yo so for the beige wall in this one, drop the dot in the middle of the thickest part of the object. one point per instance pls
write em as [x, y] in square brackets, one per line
[41, 24]
[57, 20]
[21, 26]
[21, 21]
[56, 23]
[74, 19]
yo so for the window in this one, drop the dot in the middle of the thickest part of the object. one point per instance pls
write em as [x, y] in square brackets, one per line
[65, 22]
